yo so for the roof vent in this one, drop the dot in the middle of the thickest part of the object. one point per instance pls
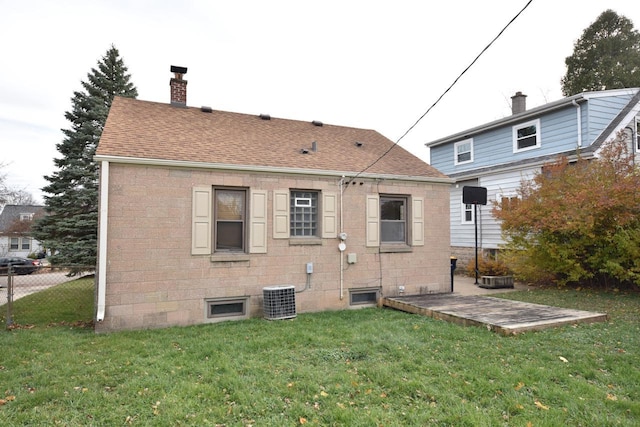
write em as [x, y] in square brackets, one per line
[314, 146]
[265, 117]
[359, 144]
[316, 123]
[206, 109]
[304, 151]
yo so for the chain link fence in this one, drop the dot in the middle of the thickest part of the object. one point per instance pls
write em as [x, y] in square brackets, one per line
[46, 296]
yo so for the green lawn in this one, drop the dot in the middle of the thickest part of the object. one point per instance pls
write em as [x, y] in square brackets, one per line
[371, 367]
[69, 302]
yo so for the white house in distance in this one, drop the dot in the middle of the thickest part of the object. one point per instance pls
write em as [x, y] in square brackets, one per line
[15, 224]
[500, 154]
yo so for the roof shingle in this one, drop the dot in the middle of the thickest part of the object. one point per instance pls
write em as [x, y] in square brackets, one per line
[150, 130]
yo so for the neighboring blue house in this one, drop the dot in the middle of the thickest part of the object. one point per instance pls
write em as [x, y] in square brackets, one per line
[500, 154]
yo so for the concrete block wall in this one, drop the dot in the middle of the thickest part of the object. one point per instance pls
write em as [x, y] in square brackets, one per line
[152, 280]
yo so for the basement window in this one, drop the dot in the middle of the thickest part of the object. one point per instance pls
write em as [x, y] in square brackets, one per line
[226, 309]
[363, 297]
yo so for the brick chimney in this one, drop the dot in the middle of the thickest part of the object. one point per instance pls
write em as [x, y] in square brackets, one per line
[178, 87]
[518, 103]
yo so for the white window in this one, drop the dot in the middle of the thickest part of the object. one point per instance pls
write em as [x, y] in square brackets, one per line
[26, 216]
[526, 136]
[14, 244]
[468, 213]
[638, 133]
[25, 243]
[303, 220]
[463, 151]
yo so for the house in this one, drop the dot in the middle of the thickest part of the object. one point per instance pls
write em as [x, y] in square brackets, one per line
[15, 225]
[205, 213]
[500, 154]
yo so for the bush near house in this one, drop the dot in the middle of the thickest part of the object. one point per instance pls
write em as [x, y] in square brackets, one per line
[577, 222]
[488, 266]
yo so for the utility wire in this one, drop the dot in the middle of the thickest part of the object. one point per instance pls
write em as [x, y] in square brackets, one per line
[445, 92]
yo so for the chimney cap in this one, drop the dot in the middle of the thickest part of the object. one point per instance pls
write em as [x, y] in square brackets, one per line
[179, 70]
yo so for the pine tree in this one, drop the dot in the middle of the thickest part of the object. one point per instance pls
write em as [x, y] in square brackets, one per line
[607, 56]
[70, 227]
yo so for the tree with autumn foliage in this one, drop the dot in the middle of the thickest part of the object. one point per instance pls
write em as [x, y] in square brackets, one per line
[577, 222]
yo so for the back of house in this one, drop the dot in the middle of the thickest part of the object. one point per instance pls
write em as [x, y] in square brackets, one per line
[208, 215]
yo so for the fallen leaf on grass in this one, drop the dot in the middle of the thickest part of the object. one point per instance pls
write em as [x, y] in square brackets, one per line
[324, 393]
[519, 386]
[541, 406]
[611, 396]
[303, 420]
[564, 360]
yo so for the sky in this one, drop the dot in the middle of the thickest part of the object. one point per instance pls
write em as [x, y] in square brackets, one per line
[369, 64]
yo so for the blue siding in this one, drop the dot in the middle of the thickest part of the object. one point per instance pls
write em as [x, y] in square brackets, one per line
[558, 133]
[600, 113]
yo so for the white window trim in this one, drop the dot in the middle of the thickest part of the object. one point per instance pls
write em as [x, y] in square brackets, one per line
[455, 151]
[517, 127]
[637, 134]
[463, 210]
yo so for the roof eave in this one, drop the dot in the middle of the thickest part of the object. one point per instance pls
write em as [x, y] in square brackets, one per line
[267, 169]
[562, 103]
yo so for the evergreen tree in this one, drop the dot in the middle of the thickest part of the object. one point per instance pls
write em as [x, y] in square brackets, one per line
[70, 227]
[607, 56]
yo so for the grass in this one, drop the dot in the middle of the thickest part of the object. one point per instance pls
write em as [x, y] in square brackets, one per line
[65, 303]
[367, 367]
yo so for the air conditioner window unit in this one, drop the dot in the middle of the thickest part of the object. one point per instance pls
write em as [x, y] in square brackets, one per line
[279, 302]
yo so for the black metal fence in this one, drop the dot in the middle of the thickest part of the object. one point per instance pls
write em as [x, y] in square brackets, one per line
[46, 296]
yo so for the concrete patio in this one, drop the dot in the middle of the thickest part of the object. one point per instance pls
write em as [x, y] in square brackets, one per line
[470, 305]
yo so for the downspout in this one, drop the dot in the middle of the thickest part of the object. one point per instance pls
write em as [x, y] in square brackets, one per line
[102, 238]
[340, 250]
[579, 121]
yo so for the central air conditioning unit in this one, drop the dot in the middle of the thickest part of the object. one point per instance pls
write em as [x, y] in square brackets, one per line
[279, 302]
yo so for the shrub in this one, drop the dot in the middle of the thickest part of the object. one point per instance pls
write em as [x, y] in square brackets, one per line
[578, 222]
[488, 266]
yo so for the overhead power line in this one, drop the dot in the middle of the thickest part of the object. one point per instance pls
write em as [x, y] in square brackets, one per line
[445, 92]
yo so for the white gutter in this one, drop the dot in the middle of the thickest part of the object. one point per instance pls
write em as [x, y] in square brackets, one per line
[339, 251]
[579, 120]
[102, 239]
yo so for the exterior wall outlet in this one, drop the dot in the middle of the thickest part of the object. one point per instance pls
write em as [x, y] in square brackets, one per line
[352, 258]
[309, 267]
